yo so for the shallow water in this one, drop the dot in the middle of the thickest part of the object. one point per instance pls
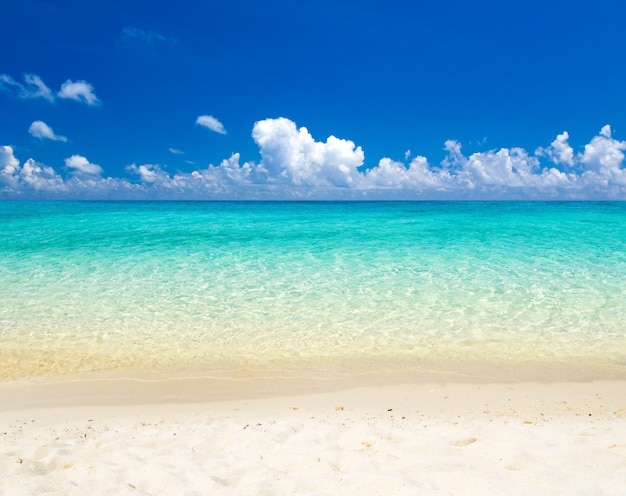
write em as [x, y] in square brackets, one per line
[164, 286]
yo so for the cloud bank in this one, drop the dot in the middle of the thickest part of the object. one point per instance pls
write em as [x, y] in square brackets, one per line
[293, 165]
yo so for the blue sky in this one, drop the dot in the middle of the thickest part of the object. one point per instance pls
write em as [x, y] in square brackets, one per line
[204, 99]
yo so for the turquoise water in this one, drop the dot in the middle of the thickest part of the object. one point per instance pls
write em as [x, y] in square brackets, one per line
[166, 286]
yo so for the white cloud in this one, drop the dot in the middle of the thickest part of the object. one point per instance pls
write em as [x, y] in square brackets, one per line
[40, 177]
[224, 180]
[7, 159]
[176, 151]
[390, 175]
[559, 151]
[211, 123]
[603, 158]
[230, 175]
[604, 153]
[36, 180]
[9, 166]
[80, 91]
[34, 87]
[80, 165]
[32, 176]
[41, 130]
[294, 165]
[150, 173]
[291, 155]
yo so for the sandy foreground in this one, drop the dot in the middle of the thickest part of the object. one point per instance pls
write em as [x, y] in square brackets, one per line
[441, 438]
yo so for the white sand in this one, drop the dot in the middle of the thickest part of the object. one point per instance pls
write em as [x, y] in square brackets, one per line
[441, 439]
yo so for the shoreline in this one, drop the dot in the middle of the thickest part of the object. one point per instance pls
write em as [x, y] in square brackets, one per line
[128, 388]
[283, 379]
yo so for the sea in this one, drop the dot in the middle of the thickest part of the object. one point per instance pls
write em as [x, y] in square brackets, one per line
[244, 288]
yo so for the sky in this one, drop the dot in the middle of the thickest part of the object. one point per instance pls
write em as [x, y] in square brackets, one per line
[320, 100]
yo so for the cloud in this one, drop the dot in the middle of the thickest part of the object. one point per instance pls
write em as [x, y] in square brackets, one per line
[226, 179]
[559, 151]
[9, 165]
[80, 91]
[418, 177]
[34, 87]
[603, 158]
[604, 153]
[176, 151]
[30, 177]
[211, 122]
[293, 165]
[40, 177]
[80, 165]
[292, 156]
[130, 33]
[41, 130]
[150, 173]
[509, 173]
[36, 180]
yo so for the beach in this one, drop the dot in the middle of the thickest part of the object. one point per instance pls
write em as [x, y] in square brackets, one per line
[453, 438]
[320, 248]
[451, 348]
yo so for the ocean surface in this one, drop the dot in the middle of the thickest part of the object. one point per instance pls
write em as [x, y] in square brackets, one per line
[222, 287]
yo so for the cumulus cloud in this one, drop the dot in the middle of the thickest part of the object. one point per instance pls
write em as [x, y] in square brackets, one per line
[80, 165]
[36, 180]
[559, 151]
[9, 165]
[80, 91]
[417, 177]
[40, 177]
[41, 130]
[211, 123]
[31, 176]
[294, 165]
[291, 155]
[604, 153]
[33, 87]
[603, 159]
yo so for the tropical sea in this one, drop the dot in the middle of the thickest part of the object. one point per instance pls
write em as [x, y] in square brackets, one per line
[244, 288]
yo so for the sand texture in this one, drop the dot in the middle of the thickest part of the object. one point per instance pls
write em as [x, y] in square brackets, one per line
[448, 439]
